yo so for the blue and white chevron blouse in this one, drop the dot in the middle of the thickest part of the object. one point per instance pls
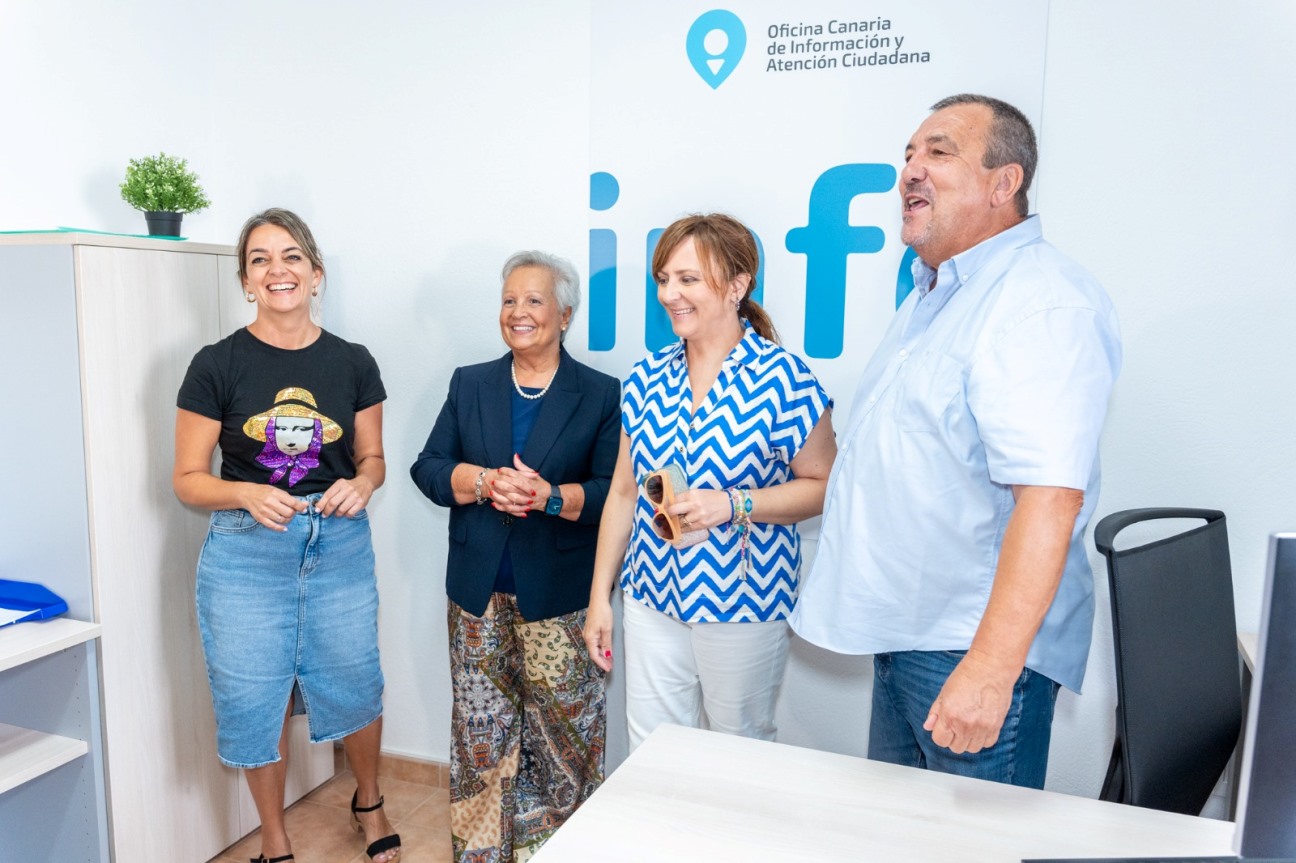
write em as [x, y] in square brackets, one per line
[753, 422]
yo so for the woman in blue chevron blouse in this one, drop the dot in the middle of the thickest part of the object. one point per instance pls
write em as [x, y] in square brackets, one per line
[749, 429]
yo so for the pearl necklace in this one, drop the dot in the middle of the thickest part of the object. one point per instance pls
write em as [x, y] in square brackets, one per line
[526, 395]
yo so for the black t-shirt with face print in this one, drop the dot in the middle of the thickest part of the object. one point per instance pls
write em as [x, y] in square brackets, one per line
[287, 416]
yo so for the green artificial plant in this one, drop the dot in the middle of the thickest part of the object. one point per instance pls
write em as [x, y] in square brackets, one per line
[163, 184]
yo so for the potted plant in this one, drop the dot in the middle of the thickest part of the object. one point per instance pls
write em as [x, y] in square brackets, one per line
[165, 189]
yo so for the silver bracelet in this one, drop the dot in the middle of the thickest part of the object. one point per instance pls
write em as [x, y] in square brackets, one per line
[481, 475]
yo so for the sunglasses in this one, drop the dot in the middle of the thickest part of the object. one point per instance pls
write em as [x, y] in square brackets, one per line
[660, 487]
[660, 492]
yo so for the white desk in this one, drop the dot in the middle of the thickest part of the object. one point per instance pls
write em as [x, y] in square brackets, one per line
[1249, 645]
[689, 795]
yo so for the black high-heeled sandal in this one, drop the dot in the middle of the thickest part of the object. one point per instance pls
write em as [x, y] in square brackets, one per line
[378, 846]
[263, 859]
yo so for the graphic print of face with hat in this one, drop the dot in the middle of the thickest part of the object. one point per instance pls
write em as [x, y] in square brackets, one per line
[293, 432]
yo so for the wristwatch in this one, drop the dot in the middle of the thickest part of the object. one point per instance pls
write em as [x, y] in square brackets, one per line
[554, 506]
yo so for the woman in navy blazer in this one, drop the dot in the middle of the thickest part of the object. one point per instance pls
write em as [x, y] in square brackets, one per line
[522, 454]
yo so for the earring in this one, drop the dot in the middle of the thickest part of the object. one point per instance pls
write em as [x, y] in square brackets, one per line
[251, 298]
[314, 292]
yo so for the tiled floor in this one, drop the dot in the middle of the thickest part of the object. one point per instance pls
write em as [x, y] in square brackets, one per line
[320, 824]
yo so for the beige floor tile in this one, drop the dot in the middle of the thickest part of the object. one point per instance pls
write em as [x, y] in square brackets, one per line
[420, 845]
[433, 813]
[320, 834]
[400, 798]
[320, 824]
[336, 792]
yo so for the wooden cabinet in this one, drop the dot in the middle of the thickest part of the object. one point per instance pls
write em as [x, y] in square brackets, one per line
[96, 334]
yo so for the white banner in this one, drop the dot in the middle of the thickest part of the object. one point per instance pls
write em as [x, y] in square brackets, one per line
[793, 119]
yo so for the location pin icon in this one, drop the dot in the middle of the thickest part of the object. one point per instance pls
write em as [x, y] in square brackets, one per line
[715, 44]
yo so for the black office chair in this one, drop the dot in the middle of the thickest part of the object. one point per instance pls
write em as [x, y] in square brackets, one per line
[1178, 686]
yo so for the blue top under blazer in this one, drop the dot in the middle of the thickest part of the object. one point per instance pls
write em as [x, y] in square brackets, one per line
[575, 439]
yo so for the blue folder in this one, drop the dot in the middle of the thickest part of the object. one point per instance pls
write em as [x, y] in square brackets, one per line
[36, 599]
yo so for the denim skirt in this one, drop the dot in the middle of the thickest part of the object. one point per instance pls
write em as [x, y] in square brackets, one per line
[288, 615]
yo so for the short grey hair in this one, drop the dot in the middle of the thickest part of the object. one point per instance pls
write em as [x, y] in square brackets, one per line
[566, 281]
[1011, 140]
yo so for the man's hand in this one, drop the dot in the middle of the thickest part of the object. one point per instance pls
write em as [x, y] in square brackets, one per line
[970, 710]
[968, 713]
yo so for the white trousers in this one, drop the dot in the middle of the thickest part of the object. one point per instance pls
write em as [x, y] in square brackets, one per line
[727, 674]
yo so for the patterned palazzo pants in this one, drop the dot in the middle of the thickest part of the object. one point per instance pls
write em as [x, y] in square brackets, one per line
[528, 727]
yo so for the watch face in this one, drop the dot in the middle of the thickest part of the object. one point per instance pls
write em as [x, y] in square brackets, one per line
[554, 506]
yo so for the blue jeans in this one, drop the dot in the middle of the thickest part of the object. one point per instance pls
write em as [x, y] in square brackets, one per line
[904, 687]
[284, 614]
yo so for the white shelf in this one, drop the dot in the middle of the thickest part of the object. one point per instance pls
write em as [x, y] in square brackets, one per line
[23, 642]
[26, 754]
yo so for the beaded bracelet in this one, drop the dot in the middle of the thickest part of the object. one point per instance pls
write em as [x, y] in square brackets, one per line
[481, 475]
[741, 503]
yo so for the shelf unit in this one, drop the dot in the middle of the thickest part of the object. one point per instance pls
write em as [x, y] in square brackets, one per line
[21, 643]
[107, 740]
[53, 799]
[26, 754]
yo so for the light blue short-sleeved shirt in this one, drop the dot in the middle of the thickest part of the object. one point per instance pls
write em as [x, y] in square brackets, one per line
[996, 375]
[745, 434]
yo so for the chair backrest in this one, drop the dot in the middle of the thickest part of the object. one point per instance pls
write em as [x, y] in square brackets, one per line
[1178, 682]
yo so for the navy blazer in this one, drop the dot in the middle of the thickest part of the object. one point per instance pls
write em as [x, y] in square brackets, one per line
[575, 438]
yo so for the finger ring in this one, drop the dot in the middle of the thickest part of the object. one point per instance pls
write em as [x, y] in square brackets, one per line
[684, 522]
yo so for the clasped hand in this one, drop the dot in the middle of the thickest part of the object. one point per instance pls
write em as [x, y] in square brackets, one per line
[518, 489]
[274, 507]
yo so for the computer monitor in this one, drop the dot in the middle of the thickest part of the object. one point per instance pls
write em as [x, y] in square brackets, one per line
[1267, 799]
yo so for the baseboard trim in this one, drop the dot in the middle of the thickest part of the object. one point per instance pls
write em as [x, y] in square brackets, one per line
[402, 767]
[414, 770]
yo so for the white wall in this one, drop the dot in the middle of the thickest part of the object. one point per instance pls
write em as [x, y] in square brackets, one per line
[424, 142]
[1159, 118]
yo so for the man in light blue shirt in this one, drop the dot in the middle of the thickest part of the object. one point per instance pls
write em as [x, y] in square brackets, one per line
[951, 545]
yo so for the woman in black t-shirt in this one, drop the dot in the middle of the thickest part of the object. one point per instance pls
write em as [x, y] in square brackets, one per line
[286, 596]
